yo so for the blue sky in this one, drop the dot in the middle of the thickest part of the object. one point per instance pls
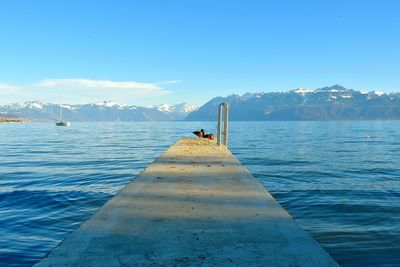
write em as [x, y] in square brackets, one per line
[152, 52]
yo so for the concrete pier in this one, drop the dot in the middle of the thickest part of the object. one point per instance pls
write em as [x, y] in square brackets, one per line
[195, 205]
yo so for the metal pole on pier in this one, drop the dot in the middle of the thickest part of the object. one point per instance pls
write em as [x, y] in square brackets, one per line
[223, 115]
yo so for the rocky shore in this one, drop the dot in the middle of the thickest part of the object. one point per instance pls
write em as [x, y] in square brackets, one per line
[2, 119]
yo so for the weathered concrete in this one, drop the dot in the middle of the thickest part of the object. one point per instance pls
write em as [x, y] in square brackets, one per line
[196, 205]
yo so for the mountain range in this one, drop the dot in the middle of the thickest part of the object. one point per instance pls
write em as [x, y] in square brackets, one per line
[106, 111]
[328, 103]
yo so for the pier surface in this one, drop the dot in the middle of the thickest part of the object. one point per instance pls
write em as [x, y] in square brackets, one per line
[195, 205]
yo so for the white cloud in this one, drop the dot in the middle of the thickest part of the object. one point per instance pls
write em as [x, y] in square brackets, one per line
[83, 91]
[7, 88]
[169, 82]
[57, 83]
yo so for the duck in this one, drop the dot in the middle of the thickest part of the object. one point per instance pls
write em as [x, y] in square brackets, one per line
[209, 136]
[200, 133]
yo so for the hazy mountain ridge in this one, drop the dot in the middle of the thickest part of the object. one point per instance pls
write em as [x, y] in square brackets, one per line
[328, 103]
[106, 111]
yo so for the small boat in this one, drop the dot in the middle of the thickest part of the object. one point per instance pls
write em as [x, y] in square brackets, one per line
[61, 122]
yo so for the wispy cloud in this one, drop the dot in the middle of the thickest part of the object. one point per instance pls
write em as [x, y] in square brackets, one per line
[88, 83]
[169, 82]
[7, 88]
[83, 90]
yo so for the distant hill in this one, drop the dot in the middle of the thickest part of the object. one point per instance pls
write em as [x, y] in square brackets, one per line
[106, 111]
[327, 103]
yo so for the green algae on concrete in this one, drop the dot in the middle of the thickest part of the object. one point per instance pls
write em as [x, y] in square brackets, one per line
[195, 205]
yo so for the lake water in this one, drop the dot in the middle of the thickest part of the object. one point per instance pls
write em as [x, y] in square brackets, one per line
[339, 180]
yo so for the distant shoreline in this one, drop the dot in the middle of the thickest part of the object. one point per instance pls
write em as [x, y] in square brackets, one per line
[8, 120]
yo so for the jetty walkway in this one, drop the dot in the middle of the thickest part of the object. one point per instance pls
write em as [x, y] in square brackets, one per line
[195, 205]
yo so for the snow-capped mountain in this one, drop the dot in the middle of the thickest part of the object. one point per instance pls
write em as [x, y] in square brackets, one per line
[180, 108]
[327, 103]
[105, 111]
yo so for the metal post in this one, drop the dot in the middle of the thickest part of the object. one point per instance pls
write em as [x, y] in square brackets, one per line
[226, 125]
[219, 125]
[223, 115]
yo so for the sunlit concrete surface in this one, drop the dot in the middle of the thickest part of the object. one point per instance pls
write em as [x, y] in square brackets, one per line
[195, 205]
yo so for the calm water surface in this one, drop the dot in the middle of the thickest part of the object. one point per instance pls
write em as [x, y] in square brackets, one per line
[339, 180]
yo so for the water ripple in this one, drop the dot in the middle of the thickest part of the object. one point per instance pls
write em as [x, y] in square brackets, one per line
[339, 180]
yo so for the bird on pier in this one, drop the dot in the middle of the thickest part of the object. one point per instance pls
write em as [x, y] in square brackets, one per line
[209, 136]
[200, 133]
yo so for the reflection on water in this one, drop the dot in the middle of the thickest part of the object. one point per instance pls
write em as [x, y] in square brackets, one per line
[339, 180]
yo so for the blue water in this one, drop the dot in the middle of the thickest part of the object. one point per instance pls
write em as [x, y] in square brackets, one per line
[339, 180]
